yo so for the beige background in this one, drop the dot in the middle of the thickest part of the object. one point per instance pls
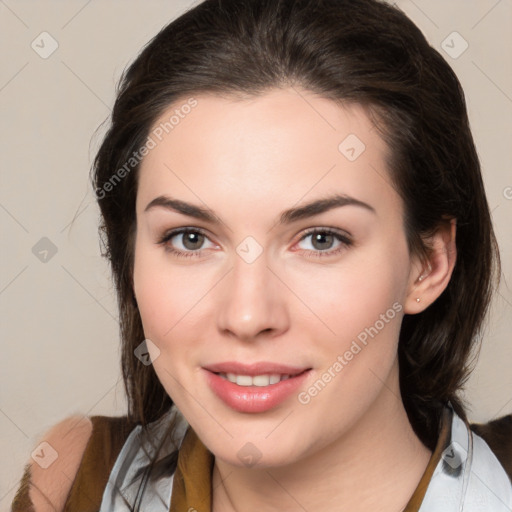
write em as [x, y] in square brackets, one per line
[60, 348]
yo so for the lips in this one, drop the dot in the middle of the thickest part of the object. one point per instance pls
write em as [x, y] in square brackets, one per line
[254, 398]
[253, 369]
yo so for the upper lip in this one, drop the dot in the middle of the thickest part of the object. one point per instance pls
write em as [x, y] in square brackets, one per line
[259, 368]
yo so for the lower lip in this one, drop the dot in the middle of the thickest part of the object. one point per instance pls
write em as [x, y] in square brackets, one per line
[254, 399]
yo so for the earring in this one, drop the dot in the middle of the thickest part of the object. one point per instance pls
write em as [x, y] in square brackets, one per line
[425, 274]
[418, 299]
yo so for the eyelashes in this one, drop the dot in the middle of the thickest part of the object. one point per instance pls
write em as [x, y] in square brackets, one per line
[317, 235]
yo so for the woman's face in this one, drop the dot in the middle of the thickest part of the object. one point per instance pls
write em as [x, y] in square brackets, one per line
[250, 284]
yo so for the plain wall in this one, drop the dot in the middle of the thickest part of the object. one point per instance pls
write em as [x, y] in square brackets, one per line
[60, 348]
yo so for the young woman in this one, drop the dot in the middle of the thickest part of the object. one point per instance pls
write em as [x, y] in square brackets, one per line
[303, 253]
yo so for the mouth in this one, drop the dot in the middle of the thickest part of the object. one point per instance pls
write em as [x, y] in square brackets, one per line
[257, 387]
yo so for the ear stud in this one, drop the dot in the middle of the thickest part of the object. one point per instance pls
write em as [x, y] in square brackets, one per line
[418, 299]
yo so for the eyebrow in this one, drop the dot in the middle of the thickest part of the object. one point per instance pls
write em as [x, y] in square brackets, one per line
[307, 210]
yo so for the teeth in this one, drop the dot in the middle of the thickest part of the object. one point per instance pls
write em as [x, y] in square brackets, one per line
[257, 380]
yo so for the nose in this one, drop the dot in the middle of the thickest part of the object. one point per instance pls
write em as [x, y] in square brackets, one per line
[252, 302]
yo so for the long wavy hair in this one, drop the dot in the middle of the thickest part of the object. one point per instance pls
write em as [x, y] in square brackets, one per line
[365, 52]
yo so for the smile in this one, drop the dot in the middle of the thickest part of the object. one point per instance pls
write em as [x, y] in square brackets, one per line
[256, 393]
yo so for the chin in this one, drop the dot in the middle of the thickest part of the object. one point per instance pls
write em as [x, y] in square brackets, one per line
[250, 457]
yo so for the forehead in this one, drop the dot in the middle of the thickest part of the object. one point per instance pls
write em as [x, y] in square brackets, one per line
[271, 149]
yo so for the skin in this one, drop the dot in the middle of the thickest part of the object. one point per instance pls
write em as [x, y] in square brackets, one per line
[248, 160]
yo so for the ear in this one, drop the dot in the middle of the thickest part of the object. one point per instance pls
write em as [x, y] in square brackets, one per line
[430, 277]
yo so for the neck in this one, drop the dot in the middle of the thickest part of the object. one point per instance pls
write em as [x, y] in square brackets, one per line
[377, 465]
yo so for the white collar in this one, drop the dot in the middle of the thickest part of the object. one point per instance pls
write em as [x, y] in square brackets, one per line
[468, 477]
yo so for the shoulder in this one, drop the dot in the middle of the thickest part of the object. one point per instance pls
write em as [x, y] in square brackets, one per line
[74, 455]
[490, 478]
[55, 462]
[498, 436]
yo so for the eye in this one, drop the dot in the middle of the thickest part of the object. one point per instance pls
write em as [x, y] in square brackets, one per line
[323, 240]
[184, 242]
[188, 242]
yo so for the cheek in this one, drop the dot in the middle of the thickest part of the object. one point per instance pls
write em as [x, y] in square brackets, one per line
[165, 294]
[348, 300]
[360, 308]
[166, 297]
[355, 335]
[173, 301]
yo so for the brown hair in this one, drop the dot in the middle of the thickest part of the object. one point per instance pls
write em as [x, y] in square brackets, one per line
[350, 51]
